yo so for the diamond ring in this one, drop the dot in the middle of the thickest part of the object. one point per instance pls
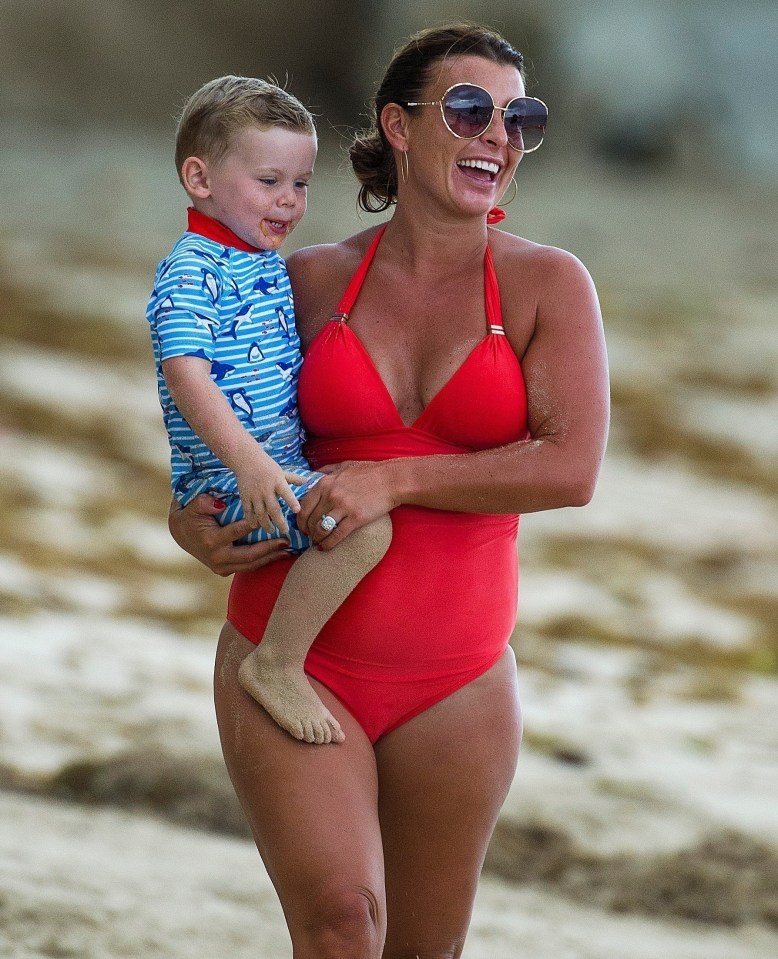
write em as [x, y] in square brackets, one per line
[327, 523]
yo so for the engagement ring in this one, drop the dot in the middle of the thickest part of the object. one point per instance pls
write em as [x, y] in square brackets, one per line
[327, 523]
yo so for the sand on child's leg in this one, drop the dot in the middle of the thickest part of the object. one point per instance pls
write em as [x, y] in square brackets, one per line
[314, 588]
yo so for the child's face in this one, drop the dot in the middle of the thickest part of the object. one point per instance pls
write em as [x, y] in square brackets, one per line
[260, 188]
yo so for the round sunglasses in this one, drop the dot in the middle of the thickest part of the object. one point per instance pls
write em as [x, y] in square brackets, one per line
[467, 111]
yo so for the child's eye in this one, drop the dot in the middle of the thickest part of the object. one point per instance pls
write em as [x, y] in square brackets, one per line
[267, 180]
[301, 185]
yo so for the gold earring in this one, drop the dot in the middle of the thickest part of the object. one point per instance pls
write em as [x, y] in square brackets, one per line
[404, 167]
[515, 192]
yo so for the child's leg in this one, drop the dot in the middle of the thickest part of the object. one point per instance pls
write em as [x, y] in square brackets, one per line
[315, 587]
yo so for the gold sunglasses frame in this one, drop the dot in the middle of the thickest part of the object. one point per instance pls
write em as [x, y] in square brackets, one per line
[503, 110]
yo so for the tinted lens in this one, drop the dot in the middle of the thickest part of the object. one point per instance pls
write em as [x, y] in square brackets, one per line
[467, 110]
[525, 123]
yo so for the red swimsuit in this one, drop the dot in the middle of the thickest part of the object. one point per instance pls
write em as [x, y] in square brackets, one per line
[439, 609]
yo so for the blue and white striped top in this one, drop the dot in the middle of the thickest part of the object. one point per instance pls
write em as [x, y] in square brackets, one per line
[232, 307]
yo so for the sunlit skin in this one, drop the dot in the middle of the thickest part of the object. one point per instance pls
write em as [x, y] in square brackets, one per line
[260, 188]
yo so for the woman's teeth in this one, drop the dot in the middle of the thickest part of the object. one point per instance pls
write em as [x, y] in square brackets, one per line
[492, 168]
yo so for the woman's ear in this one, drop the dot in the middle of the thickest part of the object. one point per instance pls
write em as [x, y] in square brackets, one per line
[394, 121]
[194, 175]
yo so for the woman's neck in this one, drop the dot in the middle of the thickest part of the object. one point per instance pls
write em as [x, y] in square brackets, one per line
[426, 243]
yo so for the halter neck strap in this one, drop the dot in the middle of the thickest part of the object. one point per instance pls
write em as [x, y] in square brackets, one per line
[355, 283]
[491, 289]
[492, 294]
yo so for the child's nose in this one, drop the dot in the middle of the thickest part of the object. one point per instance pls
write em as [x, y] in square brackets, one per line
[288, 197]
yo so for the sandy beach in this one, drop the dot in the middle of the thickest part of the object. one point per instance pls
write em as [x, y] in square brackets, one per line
[643, 821]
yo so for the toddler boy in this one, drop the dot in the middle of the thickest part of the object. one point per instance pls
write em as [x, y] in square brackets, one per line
[227, 355]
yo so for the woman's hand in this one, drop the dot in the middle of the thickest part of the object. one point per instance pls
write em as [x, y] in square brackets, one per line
[353, 494]
[197, 531]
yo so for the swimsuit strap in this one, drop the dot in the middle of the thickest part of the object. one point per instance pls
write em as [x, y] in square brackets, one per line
[492, 295]
[491, 287]
[355, 283]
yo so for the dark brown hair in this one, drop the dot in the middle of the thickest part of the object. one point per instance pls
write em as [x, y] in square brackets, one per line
[406, 76]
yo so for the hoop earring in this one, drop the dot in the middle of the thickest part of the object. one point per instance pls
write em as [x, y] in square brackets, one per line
[404, 166]
[515, 192]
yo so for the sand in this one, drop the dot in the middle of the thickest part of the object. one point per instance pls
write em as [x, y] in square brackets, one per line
[643, 818]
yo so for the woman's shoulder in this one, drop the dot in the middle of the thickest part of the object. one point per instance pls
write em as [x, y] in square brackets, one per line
[319, 274]
[544, 288]
[522, 263]
[509, 247]
[322, 259]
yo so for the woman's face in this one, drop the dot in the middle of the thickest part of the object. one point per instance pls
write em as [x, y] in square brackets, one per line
[469, 174]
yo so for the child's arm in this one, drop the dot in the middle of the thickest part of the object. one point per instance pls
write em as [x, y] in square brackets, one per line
[261, 481]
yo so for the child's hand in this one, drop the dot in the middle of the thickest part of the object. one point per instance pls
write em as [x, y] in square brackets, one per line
[261, 485]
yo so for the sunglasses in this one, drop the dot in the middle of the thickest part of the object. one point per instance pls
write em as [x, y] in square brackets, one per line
[467, 111]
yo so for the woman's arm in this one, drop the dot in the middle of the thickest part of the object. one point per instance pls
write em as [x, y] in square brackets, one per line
[565, 369]
[566, 374]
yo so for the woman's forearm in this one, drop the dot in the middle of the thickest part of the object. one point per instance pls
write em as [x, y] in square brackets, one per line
[524, 477]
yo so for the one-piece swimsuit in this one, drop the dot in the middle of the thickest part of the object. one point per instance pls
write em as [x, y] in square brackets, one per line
[439, 609]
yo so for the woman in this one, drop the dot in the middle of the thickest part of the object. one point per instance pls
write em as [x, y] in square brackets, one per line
[455, 375]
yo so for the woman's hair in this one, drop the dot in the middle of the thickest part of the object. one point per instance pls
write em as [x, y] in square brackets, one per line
[408, 73]
[222, 108]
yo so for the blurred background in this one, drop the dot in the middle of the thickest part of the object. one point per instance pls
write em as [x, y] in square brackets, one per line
[648, 631]
[651, 84]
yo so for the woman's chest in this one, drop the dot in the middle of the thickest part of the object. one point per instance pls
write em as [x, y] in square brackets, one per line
[417, 342]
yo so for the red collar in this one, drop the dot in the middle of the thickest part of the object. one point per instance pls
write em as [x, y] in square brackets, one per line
[206, 226]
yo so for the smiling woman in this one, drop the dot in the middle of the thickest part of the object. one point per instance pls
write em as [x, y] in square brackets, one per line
[492, 137]
[445, 362]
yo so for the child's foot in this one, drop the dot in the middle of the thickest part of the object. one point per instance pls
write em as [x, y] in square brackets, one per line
[287, 695]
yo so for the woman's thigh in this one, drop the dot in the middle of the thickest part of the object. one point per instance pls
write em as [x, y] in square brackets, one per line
[443, 778]
[312, 809]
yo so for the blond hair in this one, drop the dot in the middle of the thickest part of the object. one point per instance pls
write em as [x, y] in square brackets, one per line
[222, 108]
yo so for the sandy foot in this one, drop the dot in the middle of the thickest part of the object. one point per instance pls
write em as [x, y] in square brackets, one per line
[285, 693]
